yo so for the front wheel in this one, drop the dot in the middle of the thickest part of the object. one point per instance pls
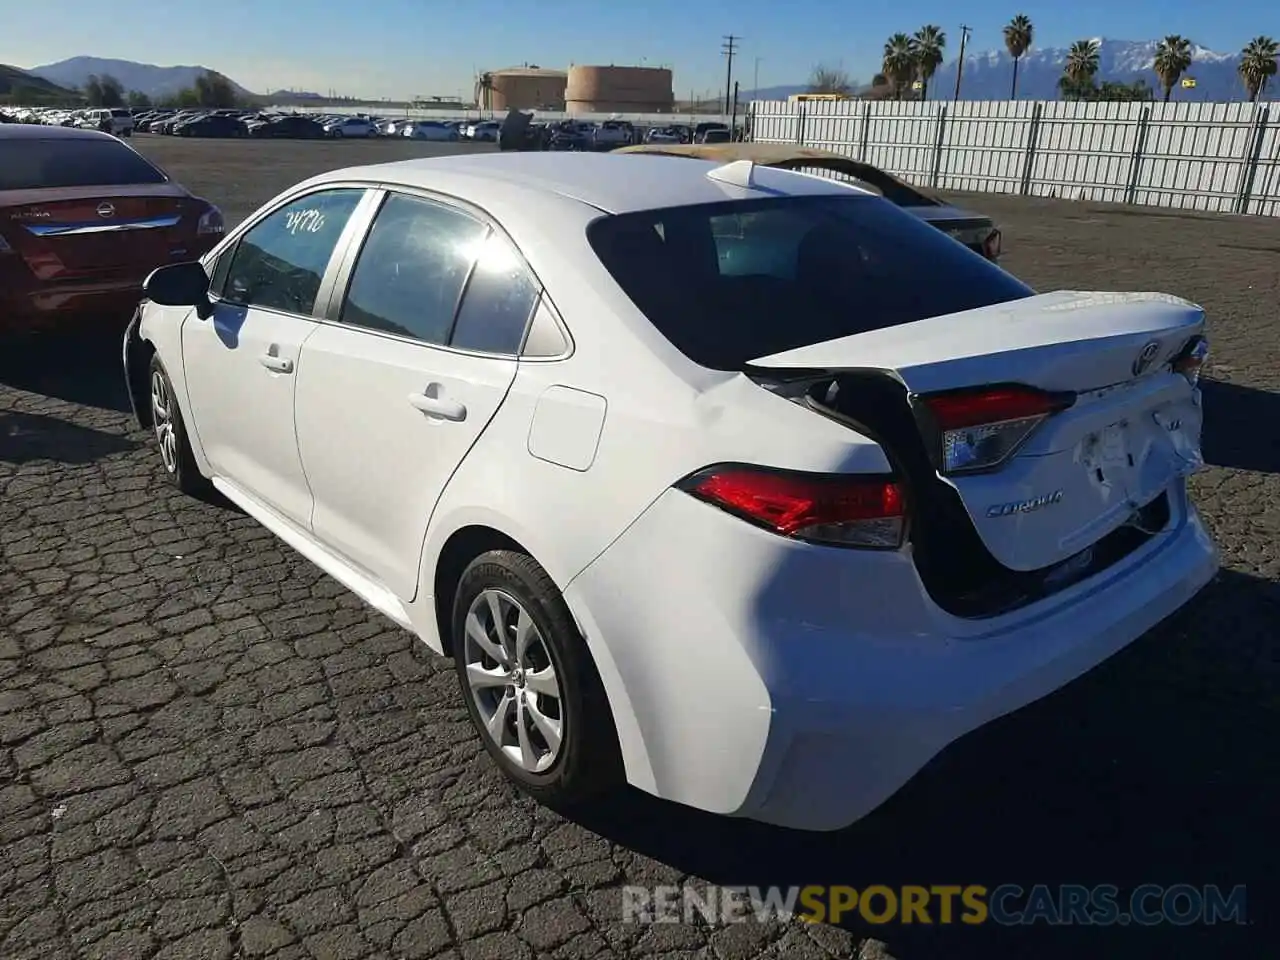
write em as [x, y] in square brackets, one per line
[531, 688]
[171, 433]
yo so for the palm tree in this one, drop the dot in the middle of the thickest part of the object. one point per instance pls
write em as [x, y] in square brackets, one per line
[1082, 61]
[1017, 40]
[1258, 64]
[927, 46]
[1173, 58]
[899, 62]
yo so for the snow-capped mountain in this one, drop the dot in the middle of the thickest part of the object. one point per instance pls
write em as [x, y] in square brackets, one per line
[989, 75]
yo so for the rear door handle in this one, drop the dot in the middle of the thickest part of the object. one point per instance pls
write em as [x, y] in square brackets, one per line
[434, 405]
[276, 364]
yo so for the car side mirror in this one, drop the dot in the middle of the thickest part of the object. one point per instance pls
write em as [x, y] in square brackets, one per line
[179, 285]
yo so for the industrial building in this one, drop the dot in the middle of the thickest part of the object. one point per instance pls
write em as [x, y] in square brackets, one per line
[521, 88]
[619, 90]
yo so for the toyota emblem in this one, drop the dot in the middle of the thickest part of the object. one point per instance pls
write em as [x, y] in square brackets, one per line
[106, 210]
[1145, 357]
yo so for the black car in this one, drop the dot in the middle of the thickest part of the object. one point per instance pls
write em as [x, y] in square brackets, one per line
[294, 128]
[214, 125]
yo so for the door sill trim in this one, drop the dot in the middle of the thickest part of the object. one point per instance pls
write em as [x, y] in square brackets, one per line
[366, 588]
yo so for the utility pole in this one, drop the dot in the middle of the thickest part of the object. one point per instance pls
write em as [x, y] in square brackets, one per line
[729, 48]
[755, 79]
[964, 39]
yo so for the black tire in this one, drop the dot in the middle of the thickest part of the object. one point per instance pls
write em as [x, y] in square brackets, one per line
[589, 762]
[182, 472]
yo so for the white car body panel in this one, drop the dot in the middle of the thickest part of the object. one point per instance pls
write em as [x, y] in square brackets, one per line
[819, 679]
[1084, 342]
[358, 386]
[246, 416]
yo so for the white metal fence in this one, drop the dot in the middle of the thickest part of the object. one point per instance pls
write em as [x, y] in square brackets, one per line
[1220, 157]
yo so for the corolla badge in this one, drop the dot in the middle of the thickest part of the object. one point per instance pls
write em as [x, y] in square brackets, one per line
[106, 210]
[1146, 356]
[1025, 506]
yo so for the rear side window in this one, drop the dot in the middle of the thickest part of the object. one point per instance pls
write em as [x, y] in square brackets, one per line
[27, 164]
[728, 283]
[499, 299]
[413, 268]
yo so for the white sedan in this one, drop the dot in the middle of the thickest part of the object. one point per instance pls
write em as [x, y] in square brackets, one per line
[741, 485]
[429, 130]
[351, 127]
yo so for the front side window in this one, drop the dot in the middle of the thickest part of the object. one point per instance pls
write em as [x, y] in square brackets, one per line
[413, 268]
[279, 263]
[731, 282]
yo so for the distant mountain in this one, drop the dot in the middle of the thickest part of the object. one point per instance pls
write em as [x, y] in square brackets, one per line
[989, 75]
[15, 82]
[771, 93]
[280, 95]
[146, 78]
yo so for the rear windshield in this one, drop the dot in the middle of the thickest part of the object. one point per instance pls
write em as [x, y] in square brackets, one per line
[71, 162]
[728, 283]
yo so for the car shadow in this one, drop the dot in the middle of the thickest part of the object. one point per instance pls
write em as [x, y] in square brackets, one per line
[1156, 767]
[1242, 426]
[83, 367]
[27, 437]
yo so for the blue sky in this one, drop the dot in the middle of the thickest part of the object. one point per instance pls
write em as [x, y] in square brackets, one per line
[404, 48]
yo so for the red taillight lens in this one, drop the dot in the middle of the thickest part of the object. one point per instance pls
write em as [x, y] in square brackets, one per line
[981, 428]
[1191, 360]
[841, 510]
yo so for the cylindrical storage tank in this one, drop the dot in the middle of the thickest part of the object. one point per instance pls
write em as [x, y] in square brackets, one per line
[619, 90]
[524, 88]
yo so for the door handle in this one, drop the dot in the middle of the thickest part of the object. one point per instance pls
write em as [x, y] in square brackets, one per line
[276, 364]
[434, 405]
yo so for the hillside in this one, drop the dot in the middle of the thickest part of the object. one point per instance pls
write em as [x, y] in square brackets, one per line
[146, 78]
[988, 76]
[18, 84]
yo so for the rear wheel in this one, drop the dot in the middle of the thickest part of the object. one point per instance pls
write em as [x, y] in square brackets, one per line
[171, 433]
[531, 688]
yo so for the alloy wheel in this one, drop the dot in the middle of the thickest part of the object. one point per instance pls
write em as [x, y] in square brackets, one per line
[512, 681]
[162, 421]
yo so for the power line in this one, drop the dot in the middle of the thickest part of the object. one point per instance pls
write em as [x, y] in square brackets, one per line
[728, 49]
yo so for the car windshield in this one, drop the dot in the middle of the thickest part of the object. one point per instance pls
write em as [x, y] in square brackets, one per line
[28, 164]
[731, 282]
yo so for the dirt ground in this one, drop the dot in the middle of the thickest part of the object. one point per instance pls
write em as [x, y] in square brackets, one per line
[208, 749]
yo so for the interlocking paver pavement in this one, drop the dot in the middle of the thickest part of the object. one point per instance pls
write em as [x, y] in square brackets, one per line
[209, 749]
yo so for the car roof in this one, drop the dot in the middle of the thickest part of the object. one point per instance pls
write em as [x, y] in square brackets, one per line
[35, 131]
[611, 182]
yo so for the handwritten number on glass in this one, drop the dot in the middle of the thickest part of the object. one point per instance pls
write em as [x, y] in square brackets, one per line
[304, 221]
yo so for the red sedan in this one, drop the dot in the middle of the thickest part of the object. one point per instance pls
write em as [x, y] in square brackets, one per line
[83, 219]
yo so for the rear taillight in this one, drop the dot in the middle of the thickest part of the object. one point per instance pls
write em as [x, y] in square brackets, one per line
[833, 509]
[991, 245]
[1190, 361]
[979, 429]
[211, 223]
